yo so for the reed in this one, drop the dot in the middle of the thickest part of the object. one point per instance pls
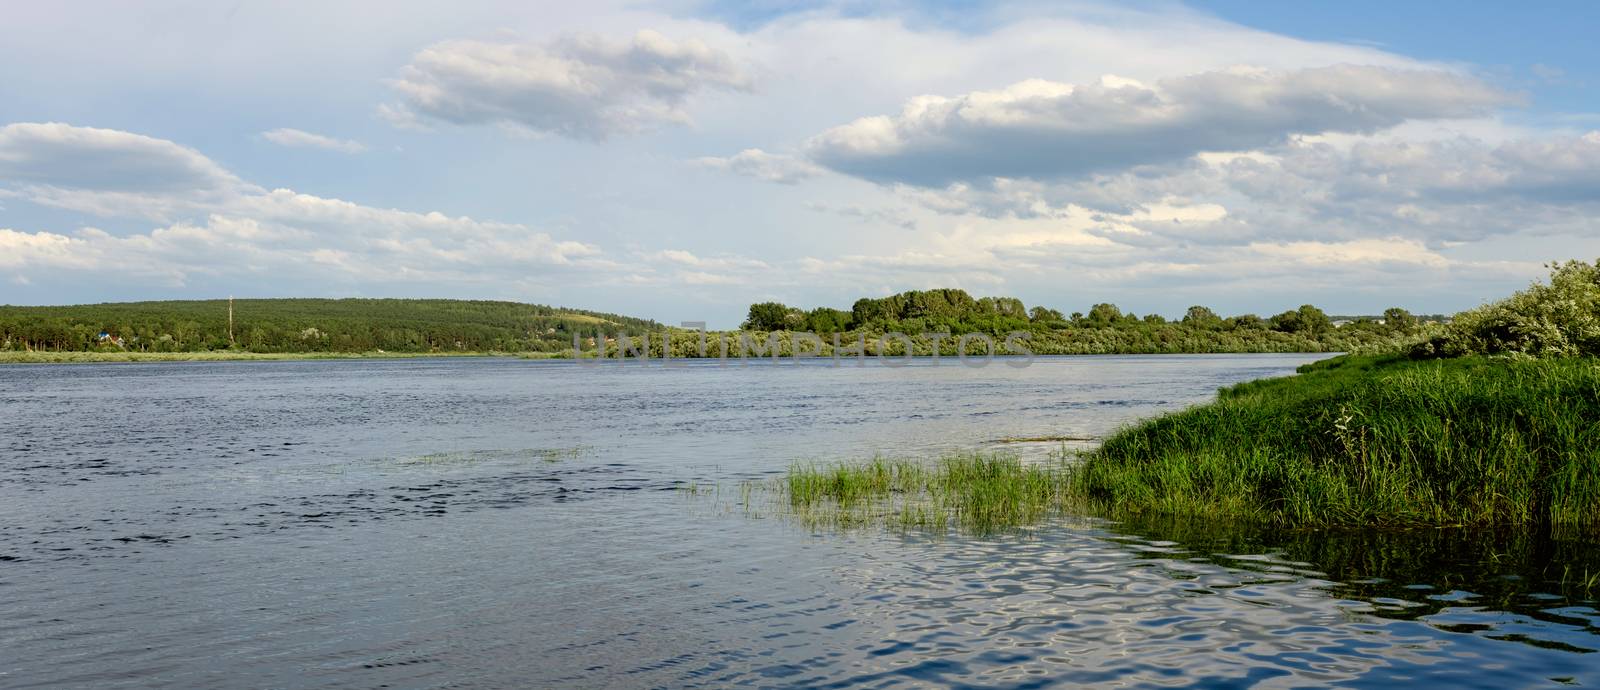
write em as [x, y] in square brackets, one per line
[1371, 441]
[975, 492]
[1355, 441]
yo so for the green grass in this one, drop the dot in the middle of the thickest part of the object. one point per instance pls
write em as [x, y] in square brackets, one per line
[976, 492]
[1350, 442]
[1371, 441]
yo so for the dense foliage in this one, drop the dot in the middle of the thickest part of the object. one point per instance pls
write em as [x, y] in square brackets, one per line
[1105, 329]
[306, 325]
[1561, 319]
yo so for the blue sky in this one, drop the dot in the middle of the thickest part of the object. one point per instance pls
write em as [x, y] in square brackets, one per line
[680, 160]
[1519, 44]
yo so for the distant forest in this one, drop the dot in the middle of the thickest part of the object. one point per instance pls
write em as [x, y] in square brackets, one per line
[438, 325]
[1103, 329]
[307, 325]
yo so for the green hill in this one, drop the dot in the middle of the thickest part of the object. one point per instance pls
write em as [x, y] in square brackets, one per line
[306, 325]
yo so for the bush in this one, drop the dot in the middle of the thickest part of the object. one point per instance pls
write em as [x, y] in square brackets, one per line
[1561, 319]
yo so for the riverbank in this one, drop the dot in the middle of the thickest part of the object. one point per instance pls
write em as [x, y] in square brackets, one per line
[1375, 441]
[1371, 441]
[13, 357]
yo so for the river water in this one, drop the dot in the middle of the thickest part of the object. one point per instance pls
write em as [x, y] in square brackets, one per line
[506, 523]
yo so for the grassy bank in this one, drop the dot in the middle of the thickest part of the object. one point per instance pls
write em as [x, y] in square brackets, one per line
[13, 357]
[1371, 441]
[1377, 441]
[1492, 419]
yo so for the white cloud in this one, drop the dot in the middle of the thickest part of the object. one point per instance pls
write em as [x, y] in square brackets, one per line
[295, 138]
[1041, 129]
[58, 156]
[1375, 251]
[581, 86]
[41, 248]
[896, 217]
[1436, 192]
[769, 167]
[685, 258]
[245, 231]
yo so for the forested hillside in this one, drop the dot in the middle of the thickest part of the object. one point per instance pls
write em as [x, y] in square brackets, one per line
[307, 325]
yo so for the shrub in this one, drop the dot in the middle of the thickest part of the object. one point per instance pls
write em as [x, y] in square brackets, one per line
[1561, 319]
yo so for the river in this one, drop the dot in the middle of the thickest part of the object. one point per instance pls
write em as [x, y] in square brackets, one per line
[509, 523]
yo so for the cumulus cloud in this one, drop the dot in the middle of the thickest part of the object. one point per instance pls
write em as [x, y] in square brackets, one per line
[41, 248]
[296, 138]
[579, 86]
[244, 230]
[769, 167]
[1040, 129]
[1437, 192]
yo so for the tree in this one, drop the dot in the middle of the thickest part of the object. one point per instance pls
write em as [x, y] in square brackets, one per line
[1010, 306]
[1287, 322]
[827, 320]
[1314, 321]
[1045, 315]
[1399, 320]
[1201, 317]
[869, 312]
[767, 316]
[1307, 320]
[1104, 314]
[1247, 322]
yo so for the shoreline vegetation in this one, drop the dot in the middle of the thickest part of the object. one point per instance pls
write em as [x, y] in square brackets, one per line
[101, 357]
[936, 323]
[1492, 421]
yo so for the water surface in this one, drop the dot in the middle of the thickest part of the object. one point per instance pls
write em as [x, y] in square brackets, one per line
[430, 523]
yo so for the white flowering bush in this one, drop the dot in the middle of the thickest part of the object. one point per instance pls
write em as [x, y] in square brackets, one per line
[1559, 319]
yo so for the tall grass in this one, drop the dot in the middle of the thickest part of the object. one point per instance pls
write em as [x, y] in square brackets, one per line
[1371, 441]
[977, 492]
[1353, 441]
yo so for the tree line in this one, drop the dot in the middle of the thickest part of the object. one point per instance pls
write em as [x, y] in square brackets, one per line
[307, 325]
[955, 311]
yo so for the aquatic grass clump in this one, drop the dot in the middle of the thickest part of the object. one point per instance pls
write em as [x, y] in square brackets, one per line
[974, 491]
[1371, 441]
